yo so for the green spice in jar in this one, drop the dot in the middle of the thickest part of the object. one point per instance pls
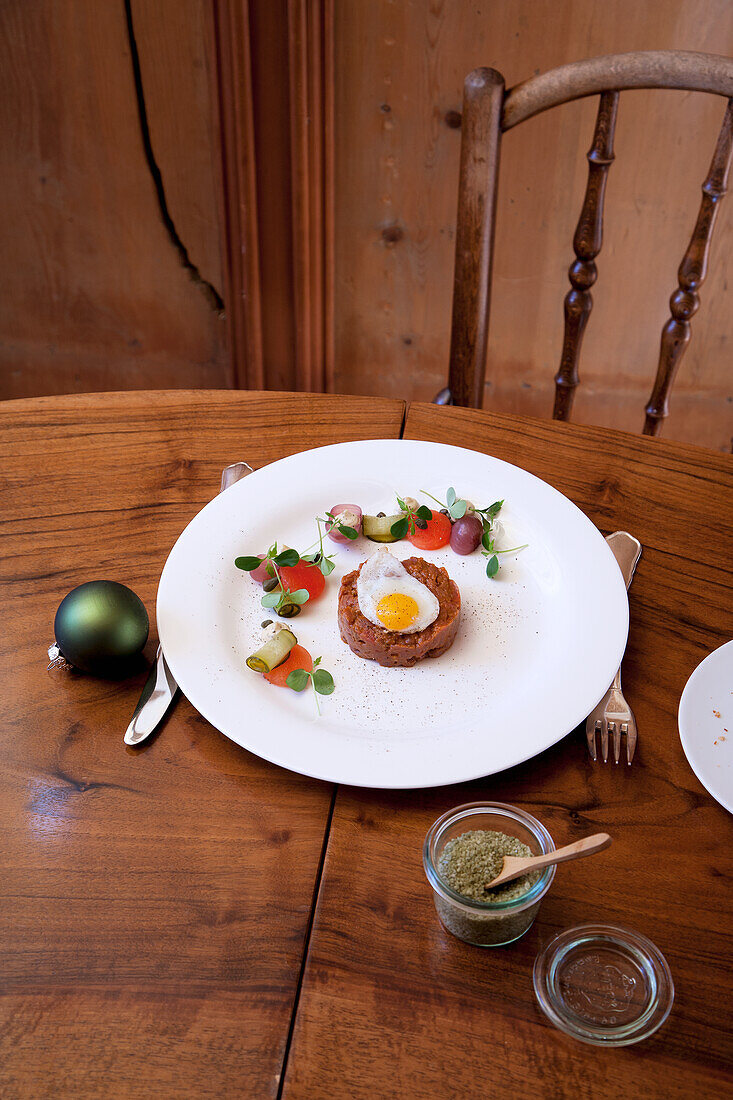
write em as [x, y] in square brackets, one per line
[466, 864]
[472, 859]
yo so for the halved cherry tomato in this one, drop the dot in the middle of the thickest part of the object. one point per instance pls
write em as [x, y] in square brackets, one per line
[297, 658]
[303, 575]
[435, 535]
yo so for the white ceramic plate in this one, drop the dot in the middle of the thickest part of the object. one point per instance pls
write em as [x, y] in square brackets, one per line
[706, 723]
[536, 650]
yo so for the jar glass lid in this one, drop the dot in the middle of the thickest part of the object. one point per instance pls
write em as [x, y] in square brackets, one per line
[603, 984]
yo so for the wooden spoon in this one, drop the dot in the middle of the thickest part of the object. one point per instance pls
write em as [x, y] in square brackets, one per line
[516, 866]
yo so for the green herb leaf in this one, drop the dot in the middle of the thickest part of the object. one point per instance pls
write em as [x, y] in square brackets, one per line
[350, 532]
[326, 566]
[247, 563]
[457, 510]
[494, 509]
[287, 558]
[300, 596]
[317, 662]
[401, 504]
[298, 679]
[323, 682]
[399, 528]
[492, 567]
[272, 599]
[487, 542]
[424, 512]
[450, 496]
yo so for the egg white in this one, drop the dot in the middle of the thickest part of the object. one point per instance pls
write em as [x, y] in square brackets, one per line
[382, 575]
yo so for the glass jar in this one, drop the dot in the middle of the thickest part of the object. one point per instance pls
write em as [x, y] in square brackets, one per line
[487, 923]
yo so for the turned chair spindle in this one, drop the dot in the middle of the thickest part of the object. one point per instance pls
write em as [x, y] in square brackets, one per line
[488, 111]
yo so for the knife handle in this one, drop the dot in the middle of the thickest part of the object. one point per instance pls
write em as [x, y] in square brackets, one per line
[233, 473]
[627, 551]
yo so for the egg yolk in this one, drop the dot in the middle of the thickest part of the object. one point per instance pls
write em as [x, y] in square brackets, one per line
[397, 611]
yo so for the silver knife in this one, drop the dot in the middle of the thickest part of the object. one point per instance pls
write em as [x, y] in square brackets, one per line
[160, 687]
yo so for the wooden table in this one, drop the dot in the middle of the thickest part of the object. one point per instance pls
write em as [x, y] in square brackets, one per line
[191, 921]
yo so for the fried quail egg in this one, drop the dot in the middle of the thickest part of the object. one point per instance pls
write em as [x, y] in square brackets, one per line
[393, 599]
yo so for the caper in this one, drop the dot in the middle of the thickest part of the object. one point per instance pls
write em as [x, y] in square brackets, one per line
[381, 515]
[288, 610]
[270, 584]
[421, 523]
[267, 622]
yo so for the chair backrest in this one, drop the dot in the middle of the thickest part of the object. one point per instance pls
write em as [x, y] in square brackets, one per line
[487, 112]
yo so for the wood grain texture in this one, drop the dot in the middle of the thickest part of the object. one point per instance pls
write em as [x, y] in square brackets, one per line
[154, 903]
[233, 62]
[310, 34]
[392, 1005]
[94, 296]
[398, 100]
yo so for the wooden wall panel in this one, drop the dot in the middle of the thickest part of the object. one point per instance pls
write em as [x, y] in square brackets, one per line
[398, 88]
[93, 295]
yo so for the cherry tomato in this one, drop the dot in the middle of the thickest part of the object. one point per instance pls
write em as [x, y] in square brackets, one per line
[303, 575]
[435, 535]
[297, 658]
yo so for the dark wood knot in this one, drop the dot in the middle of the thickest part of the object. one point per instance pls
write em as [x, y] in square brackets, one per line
[453, 119]
[391, 234]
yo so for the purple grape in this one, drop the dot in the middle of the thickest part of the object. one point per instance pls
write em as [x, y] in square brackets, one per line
[466, 534]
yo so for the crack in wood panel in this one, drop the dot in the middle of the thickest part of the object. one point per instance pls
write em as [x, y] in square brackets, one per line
[209, 290]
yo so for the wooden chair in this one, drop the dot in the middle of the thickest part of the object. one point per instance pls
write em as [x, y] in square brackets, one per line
[487, 112]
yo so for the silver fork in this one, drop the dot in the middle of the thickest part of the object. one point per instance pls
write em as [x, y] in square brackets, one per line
[613, 715]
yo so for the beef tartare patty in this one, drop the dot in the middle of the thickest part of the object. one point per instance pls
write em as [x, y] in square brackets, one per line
[389, 647]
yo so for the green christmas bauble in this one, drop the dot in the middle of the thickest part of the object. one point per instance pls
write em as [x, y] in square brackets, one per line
[100, 627]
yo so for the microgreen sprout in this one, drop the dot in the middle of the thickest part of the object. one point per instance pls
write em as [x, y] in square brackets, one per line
[325, 563]
[281, 598]
[491, 553]
[414, 517]
[321, 681]
[456, 508]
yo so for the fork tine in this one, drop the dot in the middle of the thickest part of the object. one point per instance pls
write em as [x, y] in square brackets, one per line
[622, 728]
[590, 737]
[631, 742]
[605, 729]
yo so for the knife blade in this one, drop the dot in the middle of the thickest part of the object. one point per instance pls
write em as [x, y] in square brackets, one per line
[157, 695]
[160, 687]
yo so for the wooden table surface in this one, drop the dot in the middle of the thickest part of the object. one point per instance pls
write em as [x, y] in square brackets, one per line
[191, 921]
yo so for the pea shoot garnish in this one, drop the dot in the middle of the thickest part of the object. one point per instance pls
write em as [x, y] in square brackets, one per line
[491, 553]
[325, 563]
[278, 597]
[321, 681]
[415, 516]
